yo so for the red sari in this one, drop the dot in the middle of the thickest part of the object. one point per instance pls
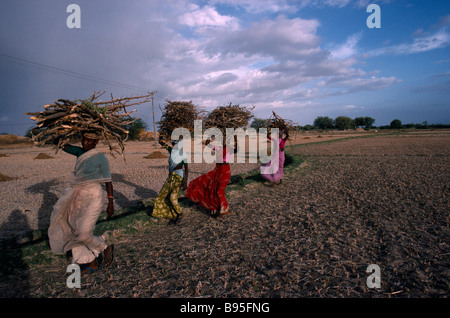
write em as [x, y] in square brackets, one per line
[208, 190]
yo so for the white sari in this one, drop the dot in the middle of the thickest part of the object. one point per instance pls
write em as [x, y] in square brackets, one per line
[74, 216]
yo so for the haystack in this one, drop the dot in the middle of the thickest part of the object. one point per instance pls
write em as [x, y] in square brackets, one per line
[43, 156]
[4, 178]
[156, 155]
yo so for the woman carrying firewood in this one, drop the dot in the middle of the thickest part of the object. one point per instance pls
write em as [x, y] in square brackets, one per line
[208, 190]
[266, 170]
[166, 203]
[75, 214]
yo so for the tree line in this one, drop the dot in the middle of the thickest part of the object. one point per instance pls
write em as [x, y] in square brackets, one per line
[344, 122]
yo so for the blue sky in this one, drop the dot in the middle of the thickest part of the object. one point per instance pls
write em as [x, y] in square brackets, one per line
[302, 59]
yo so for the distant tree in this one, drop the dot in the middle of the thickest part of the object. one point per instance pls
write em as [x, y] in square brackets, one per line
[28, 132]
[411, 125]
[365, 122]
[258, 123]
[368, 122]
[359, 121]
[308, 127]
[396, 124]
[135, 128]
[323, 122]
[343, 122]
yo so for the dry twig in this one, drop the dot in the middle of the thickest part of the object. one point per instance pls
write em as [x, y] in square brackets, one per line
[284, 125]
[231, 116]
[64, 119]
[178, 114]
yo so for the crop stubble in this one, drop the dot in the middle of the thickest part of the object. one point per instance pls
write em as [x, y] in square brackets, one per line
[381, 200]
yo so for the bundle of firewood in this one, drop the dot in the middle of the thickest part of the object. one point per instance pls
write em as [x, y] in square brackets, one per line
[284, 125]
[231, 116]
[177, 114]
[66, 119]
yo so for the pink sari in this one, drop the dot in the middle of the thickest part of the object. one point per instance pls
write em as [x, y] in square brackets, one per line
[274, 177]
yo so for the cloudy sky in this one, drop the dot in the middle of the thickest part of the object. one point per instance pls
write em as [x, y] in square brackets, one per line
[302, 59]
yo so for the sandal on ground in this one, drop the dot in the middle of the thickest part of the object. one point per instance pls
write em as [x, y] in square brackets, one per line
[90, 267]
[89, 270]
[223, 214]
[108, 255]
[176, 221]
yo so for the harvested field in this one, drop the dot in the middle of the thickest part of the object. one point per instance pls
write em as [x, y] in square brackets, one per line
[13, 141]
[380, 200]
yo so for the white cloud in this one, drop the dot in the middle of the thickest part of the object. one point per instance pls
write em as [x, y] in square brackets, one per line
[352, 85]
[420, 44]
[281, 37]
[273, 61]
[271, 56]
[283, 6]
[337, 3]
[208, 17]
[259, 6]
[444, 21]
[276, 60]
[347, 49]
[340, 3]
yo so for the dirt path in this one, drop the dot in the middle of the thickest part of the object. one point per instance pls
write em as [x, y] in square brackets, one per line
[381, 200]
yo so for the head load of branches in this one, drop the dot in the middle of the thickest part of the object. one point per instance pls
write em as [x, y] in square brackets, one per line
[65, 119]
[285, 126]
[231, 116]
[177, 114]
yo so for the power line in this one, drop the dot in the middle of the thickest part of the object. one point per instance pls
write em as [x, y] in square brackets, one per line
[54, 69]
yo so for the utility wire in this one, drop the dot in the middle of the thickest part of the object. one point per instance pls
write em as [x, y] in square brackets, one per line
[54, 69]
